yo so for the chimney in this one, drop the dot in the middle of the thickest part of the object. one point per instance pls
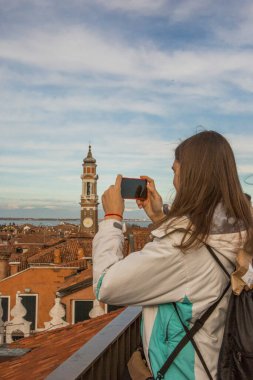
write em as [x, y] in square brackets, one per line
[57, 256]
[80, 254]
[14, 266]
[4, 265]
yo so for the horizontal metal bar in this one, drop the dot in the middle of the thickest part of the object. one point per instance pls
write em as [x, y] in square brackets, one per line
[85, 357]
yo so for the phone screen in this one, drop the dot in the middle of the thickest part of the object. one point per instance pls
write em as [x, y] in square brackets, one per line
[133, 188]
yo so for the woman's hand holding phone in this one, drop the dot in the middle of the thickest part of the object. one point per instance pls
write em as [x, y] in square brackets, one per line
[153, 205]
[112, 201]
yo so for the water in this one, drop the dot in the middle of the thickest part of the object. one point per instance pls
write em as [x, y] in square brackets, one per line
[37, 222]
[56, 222]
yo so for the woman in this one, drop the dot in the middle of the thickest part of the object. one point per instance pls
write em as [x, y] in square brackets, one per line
[176, 267]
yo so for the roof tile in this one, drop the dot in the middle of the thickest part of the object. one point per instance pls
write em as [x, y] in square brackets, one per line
[49, 349]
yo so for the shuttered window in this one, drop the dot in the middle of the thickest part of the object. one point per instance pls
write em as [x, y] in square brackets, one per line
[5, 306]
[81, 310]
[29, 302]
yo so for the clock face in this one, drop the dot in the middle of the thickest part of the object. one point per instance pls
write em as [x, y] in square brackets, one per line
[87, 222]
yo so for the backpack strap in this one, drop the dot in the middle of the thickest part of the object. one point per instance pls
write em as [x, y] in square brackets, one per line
[199, 323]
[217, 260]
[187, 331]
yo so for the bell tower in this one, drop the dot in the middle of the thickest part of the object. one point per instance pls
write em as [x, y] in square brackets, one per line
[89, 198]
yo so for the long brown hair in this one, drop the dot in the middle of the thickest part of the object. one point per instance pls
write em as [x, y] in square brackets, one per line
[208, 176]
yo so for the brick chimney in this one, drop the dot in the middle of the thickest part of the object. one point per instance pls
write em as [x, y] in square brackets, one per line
[57, 256]
[80, 254]
[4, 265]
[14, 267]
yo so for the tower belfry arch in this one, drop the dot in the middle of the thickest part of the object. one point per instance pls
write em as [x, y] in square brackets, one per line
[89, 198]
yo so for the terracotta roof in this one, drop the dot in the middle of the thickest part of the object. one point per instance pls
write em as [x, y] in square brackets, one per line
[82, 264]
[18, 256]
[35, 238]
[50, 349]
[76, 279]
[4, 235]
[68, 250]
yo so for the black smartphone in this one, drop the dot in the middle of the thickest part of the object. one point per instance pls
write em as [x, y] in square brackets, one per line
[134, 188]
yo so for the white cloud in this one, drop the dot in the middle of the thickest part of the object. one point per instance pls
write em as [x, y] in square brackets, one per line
[240, 32]
[11, 205]
[145, 7]
[174, 11]
[242, 144]
[184, 10]
[69, 50]
[245, 169]
[235, 106]
[82, 50]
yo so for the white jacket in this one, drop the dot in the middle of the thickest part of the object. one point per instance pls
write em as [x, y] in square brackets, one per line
[160, 274]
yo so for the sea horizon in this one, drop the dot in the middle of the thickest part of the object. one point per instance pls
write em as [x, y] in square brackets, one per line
[56, 221]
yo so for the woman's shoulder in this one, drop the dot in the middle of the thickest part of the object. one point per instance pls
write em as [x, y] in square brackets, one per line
[170, 227]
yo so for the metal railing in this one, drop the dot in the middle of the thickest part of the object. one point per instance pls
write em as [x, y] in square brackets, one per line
[105, 356]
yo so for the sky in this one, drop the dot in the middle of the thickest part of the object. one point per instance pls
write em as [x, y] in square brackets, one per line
[132, 78]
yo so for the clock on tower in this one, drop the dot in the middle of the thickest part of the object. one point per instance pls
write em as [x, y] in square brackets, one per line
[89, 199]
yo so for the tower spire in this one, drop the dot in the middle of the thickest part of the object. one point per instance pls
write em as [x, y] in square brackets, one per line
[89, 153]
[89, 158]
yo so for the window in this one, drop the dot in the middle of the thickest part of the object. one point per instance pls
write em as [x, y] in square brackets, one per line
[81, 310]
[88, 188]
[6, 306]
[30, 303]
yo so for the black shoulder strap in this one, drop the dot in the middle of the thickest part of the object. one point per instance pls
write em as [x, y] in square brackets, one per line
[187, 331]
[195, 328]
[217, 260]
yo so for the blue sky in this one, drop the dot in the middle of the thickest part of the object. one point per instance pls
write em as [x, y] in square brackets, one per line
[132, 78]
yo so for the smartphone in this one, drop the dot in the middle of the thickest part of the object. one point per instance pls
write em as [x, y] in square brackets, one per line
[134, 188]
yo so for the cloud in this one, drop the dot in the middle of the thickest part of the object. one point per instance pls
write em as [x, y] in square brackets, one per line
[236, 106]
[32, 203]
[131, 77]
[174, 11]
[88, 51]
[239, 32]
[11, 205]
[145, 7]
[241, 143]
[245, 169]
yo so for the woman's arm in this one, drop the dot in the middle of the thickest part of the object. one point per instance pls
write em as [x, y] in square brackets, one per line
[154, 275]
